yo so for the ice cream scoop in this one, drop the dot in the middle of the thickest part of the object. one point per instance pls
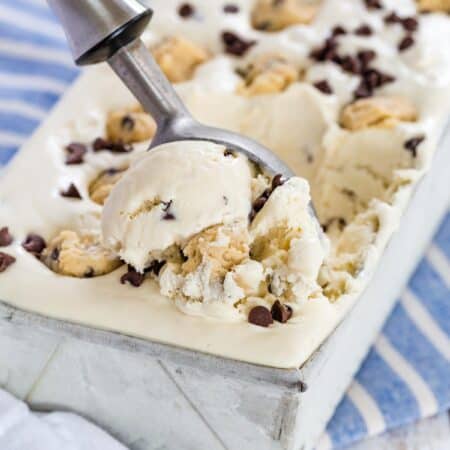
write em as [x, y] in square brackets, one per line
[109, 30]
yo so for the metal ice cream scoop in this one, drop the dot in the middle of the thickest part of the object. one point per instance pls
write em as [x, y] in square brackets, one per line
[109, 30]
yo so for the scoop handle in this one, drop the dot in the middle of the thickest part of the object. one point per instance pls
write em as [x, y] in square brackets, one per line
[136, 67]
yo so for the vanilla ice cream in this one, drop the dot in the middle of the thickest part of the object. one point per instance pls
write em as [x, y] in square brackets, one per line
[219, 231]
[174, 192]
[353, 99]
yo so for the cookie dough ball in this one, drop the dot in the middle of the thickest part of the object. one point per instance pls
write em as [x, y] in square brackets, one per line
[129, 125]
[378, 112]
[178, 58]
[79, 255]
[434, 5]
[268, 74]
[101, 187]
[275, 15]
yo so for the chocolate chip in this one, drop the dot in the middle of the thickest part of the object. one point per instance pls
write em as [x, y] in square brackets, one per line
[351, 64]
[410, 24]
[34, 244]
[365, 57]
[373, 4]
[6, 261]
[100, 144]
[385, 78]
[75, 153]
[405, 43]
[392, 18]
[5, 237]
[132, 277]
[324, 87]
[277, 181]
[266, 193]
[259, 203]
[155, 267]
[231, 8]
[364, 30]
[338, 30]
[280, 312]
[412, 144]
[71, 192]
[261, 316]
[228, 152]
[186, 10]
[90, 272]
[119, 147]
[114, 147]
[327, 52]
[235, 45]
[363, 90]
[375, 79]
[168, 215]
[127, 123]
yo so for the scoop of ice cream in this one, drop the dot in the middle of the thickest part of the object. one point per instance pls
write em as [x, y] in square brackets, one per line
[275, 257]
[173, 193]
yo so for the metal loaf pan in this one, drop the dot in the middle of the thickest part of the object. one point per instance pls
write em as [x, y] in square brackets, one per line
[224, 403]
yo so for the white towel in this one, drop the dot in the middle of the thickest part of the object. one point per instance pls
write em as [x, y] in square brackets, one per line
[21, 429]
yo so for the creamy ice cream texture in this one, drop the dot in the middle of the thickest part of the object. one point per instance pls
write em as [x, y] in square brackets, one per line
[190, 207]
[361, 156]
[176, 191]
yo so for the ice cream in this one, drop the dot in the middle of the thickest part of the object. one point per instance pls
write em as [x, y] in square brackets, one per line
[352, 98]
[218, 231]
[174, 192]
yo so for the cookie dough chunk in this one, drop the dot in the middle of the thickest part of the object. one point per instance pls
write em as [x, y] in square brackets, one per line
[378, 112]
[178, 58]
[101, 187]
[219, 246]
[79, 255]
[275, 15]
[129, 125]
[268, 74]
[434, 5]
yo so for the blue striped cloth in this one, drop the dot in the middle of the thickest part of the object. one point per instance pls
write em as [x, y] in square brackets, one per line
[407, 373]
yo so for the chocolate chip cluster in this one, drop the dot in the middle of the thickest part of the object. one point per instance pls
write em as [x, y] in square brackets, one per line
[359, 64]
[263, 317]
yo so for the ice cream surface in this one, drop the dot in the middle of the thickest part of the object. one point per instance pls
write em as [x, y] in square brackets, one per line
[353, 98]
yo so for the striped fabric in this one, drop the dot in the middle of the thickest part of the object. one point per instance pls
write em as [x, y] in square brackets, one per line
[406, 375]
